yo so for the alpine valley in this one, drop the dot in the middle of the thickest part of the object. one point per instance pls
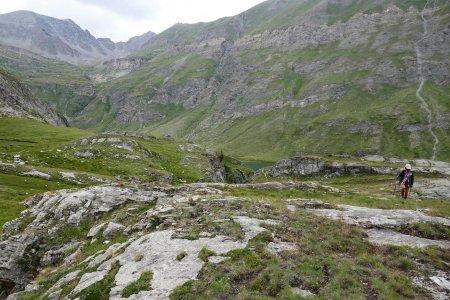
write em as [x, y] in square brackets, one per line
[282, 78]
[252, 157]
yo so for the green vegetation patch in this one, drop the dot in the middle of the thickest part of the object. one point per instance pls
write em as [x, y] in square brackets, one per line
[100, 290]
[181, 255]
[205, 253]
[337, 264]
[426, 230]
[142, 284]
[15, 189]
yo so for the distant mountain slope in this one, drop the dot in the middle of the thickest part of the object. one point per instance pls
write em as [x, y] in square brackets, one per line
[17, 101]
[61, 39]
[293, 76]
[64, 86]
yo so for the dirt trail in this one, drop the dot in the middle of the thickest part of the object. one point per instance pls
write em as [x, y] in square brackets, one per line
[422, 80]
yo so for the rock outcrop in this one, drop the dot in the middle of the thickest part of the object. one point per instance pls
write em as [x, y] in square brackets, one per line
[26, 242]
[21, 255]
[310, 166]
[16, 100]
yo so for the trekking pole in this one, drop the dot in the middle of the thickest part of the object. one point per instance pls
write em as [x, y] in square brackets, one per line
[395, 189]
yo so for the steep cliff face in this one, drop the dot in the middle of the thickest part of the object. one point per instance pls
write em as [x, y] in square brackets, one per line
[61, 39]
[17, 101]
[319, 76]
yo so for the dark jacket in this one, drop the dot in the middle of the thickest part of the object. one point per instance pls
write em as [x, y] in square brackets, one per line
[401, 176]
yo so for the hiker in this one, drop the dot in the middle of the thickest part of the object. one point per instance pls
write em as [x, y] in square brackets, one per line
[406, 180]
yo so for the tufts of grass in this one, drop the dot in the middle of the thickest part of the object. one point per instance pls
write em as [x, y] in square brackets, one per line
[142, 284]
[181, 255]
[337, 264]
[100, 290]
[426, 230]
[205, 253]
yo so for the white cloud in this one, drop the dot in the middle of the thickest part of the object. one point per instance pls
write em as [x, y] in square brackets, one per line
[121, 20]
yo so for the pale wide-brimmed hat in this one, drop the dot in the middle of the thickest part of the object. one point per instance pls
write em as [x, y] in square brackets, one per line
[408, 167]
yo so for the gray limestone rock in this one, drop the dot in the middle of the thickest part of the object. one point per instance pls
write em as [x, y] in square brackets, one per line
[302, 293]
[61, 282]
[374, 158]
[95, 230]
[159, 250]
[127, 156]
[16, 100]
[55, 295]
[35, 173]
[389, 237]
[11, 252]
[442, 282]
[279, 246]
[216, 259]
[380, 218]
[433, 188]
[296, 166]
[113, 229]
[87, 153]
[68, 175]
[89, 279]
[308, 203]
[55, 210]
[53, 257]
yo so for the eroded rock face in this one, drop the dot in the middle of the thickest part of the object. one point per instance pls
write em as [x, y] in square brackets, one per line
[16, 100]
[296, 166]
[20, 249]
[309, 166]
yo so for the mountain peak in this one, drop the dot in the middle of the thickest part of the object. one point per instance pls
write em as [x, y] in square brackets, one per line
[61, 39]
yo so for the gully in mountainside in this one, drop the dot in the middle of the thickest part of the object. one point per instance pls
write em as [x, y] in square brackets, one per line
[422, 80]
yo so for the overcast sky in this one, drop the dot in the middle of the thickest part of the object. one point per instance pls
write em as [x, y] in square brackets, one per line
[120, 19]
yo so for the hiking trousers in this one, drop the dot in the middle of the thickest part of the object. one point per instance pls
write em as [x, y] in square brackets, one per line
[405, 191]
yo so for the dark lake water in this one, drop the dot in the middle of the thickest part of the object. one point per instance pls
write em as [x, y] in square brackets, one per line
[256, 165]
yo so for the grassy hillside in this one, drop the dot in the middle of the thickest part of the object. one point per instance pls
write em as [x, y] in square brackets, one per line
[66, 87]
[357, 121]
[59, 157]
[247, 84]
[353, 94]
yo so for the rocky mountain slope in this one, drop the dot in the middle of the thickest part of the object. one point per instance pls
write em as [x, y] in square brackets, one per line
[207, 241]
[292, 76]
[16, 100]
[62, 39]
[64, 86]
[284, 78]
[139, 217]
[35, 157]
